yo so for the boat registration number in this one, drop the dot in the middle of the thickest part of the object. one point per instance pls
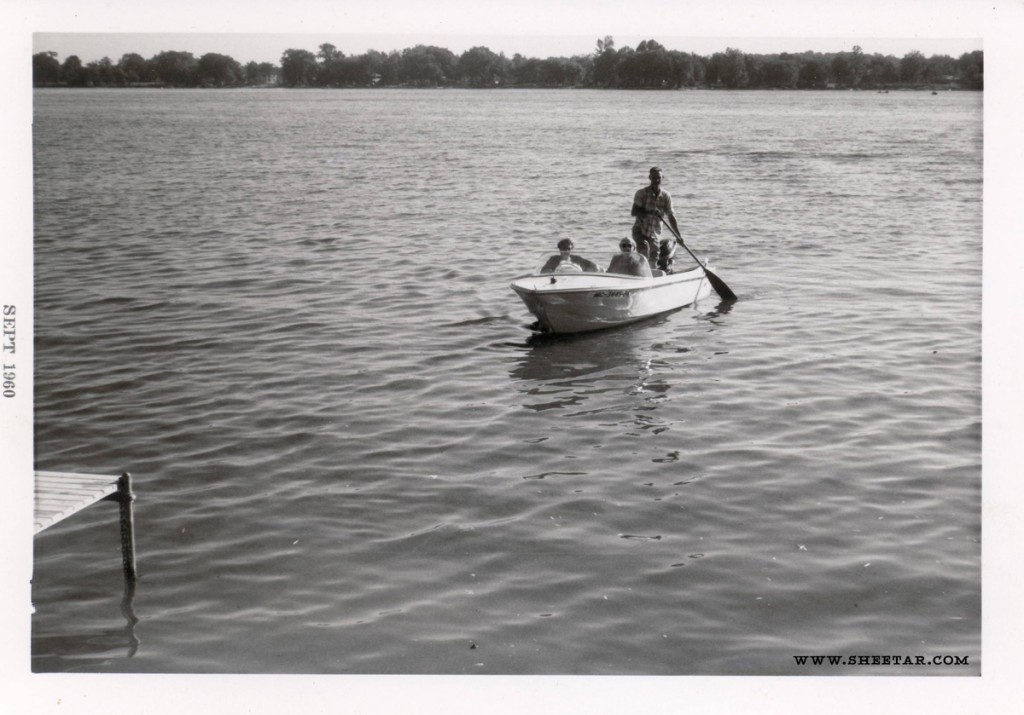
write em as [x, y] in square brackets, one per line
[611, 294]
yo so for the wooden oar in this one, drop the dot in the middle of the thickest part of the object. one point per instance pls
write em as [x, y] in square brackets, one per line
[717, 283]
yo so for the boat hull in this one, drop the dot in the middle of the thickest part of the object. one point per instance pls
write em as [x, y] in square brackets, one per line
[580, 302]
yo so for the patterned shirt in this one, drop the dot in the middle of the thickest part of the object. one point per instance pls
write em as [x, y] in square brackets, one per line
[649, 223]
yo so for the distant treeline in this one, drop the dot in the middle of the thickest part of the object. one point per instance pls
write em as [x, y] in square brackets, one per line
[648, 66]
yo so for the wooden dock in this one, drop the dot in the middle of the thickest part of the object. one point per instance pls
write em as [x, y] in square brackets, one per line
[58, 495]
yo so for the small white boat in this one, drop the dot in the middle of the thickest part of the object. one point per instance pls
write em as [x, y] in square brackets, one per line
[575, 302]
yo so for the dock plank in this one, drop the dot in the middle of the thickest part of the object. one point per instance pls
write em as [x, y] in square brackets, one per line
[66, 493]
[58, 495]
[75, 477]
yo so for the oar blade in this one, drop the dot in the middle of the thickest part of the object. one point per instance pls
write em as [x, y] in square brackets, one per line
[719, 285]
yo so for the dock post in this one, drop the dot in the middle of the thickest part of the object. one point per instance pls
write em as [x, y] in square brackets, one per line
[125, 499]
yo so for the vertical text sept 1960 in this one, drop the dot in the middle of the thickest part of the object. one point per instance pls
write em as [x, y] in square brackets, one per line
[8, 348]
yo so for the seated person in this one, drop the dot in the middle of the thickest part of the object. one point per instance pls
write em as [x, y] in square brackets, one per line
[565, 261]
[629, 262]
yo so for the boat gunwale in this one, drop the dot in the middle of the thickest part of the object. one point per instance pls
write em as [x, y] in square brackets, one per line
[641, 282]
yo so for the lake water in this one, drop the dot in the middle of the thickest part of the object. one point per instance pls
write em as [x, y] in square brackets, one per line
[287, 314]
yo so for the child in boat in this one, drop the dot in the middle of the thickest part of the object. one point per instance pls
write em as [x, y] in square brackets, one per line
[629, 262]
[565, 261]
[666, 255]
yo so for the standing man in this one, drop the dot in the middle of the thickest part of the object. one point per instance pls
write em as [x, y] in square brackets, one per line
[649, 205]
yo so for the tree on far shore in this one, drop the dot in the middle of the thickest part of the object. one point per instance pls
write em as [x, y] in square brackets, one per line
[298, 68]
[72, 72]
[176, 69]
[136, 69]
[480, 67]
[45, 69]
[216, 70]
[650, 65]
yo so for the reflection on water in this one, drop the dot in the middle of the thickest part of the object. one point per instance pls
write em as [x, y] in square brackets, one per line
[580, 363]
[128, 611]
[593, 373]
[95, 642]
[722, 309]
[557, 371]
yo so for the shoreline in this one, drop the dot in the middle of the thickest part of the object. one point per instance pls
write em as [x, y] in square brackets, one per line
[883, 89]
